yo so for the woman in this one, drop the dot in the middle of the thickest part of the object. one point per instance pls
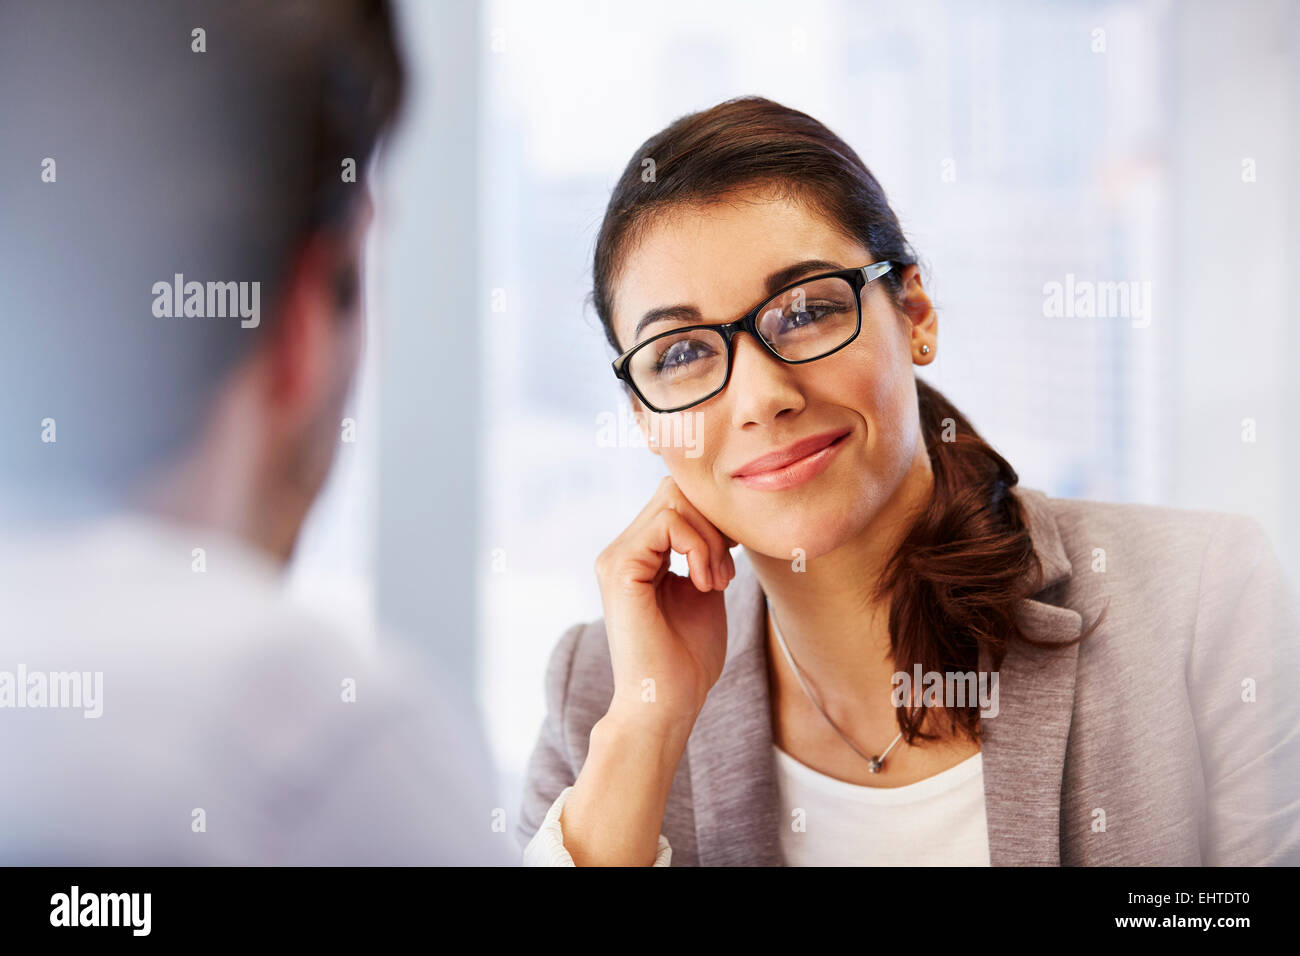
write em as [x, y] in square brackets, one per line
[1122, 664]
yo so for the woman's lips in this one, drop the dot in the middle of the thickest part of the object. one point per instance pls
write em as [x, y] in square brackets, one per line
[797, 472]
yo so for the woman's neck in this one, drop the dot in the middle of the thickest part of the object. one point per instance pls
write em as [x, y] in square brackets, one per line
[836, 628]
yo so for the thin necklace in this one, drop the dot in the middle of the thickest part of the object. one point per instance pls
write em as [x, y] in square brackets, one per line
[874, 764]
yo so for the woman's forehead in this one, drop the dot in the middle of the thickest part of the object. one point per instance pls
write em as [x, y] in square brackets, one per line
[718, 257]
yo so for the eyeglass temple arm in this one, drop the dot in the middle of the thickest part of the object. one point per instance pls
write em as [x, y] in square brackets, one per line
[876, 269]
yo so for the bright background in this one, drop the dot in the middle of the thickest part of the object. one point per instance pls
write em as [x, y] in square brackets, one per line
[1017, 143]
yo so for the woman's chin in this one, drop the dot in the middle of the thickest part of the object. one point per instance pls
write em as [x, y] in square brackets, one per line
[800, 539]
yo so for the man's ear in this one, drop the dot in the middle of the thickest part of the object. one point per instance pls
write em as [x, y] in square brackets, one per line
[305, 335]
[647, 424]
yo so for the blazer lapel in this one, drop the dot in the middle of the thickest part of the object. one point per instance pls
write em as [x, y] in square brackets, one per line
[1024, 745]
[733, 771]
[732, 767]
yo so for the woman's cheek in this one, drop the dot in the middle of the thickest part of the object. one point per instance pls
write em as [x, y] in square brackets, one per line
[696, 478]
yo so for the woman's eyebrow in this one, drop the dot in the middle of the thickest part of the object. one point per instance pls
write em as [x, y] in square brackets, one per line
[778, 279]
[783, 277]
[676, 313]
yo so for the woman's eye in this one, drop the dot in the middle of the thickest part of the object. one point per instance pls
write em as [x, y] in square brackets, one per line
[684, 355]
[681, 354]
[808, 315]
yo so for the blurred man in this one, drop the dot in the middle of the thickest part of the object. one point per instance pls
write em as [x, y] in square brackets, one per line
[182, 212]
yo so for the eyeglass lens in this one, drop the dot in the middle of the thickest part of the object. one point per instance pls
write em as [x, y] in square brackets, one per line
[802, 323]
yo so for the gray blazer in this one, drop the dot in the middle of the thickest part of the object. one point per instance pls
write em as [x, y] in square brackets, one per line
[1170, 736]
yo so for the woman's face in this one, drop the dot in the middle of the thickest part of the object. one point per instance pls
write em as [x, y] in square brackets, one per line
[717, 259]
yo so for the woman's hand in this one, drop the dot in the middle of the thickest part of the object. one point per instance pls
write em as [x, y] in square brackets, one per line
[667, 643]
[667, 634]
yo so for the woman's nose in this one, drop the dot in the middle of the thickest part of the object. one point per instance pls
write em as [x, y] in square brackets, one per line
[761, 386]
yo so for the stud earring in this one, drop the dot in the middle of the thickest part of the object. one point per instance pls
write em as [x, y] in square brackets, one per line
[925, 350]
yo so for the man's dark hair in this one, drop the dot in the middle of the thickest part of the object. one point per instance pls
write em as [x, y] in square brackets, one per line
[141, 140]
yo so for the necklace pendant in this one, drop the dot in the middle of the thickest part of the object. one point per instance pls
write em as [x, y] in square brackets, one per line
[874, 764]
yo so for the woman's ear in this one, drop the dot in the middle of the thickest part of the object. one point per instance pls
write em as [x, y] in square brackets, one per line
[919, 310]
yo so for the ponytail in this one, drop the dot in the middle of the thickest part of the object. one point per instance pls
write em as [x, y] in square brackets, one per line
[966, 563]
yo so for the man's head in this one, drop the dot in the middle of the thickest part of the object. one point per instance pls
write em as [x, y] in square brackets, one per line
[182, 208]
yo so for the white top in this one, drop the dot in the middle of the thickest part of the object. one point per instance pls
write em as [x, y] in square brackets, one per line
[938, 821]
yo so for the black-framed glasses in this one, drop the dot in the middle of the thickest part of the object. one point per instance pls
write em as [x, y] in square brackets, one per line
[802, 322]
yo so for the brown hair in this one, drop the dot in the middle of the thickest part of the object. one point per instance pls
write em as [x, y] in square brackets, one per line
[968, 559]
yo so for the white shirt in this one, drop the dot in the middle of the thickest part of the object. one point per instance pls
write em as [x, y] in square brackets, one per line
[200, 716]
[938, 821]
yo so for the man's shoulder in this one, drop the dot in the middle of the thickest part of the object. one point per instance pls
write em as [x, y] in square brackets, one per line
[228, 704]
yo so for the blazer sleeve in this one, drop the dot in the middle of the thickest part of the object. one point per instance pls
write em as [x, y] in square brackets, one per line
[1244, 657]
[550, 767]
